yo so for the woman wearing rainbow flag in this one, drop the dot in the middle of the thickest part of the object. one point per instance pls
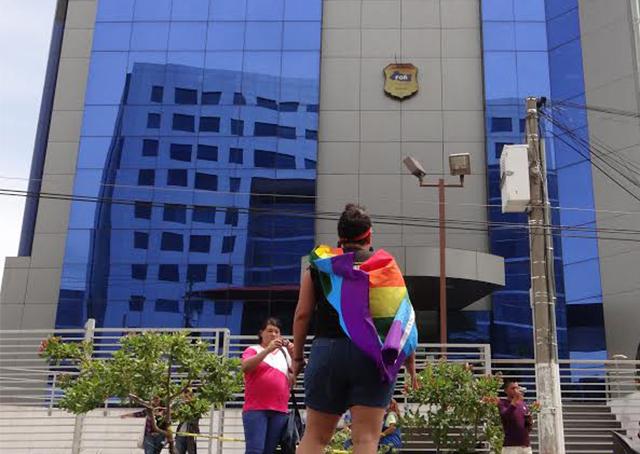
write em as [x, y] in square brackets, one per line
[365, 331]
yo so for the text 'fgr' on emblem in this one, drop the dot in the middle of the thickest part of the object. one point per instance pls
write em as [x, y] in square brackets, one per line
[400, 80]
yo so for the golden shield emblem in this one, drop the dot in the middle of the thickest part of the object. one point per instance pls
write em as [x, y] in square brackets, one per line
[400, 80]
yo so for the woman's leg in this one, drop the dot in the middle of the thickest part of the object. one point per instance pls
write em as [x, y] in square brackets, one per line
[181, 444]
[275, 427]
[149, 445]
[365, 428]
[318, 432]
[255, 431]
[153, 443]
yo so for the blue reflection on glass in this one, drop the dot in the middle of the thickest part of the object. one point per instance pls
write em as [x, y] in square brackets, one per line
[187, 35]
[566, 70]
[498, 88]
[231, 61]
[115, 10]
[558, 7]
[301, 36]
[107, 73]
[531, 36]
[304, 65]
[563, 29]
[499, 36]
[192, 10]
[263, 36]
[533, 74]
[138, 248]
[99, 120]
[529, 10]
[545, 60]
[263, 62]
[108, 36]
[261, 10]
[226, 35]
[152, 10]
[497, 10]
[302, 10]
[150, 36]
[195, 59]
[228, 9]
[93, 151]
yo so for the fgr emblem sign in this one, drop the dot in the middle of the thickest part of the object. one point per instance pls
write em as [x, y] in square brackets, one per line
[400, 80]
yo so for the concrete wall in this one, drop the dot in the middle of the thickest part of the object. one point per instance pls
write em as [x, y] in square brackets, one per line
[30, 285]
[364, 134]
[612, 81]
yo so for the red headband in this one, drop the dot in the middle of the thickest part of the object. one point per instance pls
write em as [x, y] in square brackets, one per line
[362, 236]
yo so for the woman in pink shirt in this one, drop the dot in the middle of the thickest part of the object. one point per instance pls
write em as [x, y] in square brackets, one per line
[266, 393]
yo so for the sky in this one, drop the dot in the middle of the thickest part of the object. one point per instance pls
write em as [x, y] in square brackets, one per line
[25, 33]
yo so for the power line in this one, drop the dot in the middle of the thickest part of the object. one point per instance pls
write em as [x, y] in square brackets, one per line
[607, 110]
[299, 196]
[432, 223]
[589, 148]
[604, 154]
[586, 157]
[607, 152]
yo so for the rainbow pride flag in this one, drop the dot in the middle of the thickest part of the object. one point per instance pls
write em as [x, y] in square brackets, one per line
[373, 305]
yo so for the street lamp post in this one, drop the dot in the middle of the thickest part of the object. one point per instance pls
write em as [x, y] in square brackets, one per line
[460, 165]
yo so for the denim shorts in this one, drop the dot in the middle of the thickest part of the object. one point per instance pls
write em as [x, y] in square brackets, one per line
[340, 376]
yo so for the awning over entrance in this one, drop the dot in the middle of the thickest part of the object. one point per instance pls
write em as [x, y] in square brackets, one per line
[471, 276]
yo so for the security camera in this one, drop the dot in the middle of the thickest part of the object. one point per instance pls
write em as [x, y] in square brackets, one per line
[414, 167]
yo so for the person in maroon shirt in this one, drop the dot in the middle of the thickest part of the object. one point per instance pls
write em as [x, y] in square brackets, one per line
[516, 419]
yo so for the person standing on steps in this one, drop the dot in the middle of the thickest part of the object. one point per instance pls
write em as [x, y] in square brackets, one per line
[516, 417]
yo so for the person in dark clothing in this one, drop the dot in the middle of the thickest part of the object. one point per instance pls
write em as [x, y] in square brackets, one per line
[186, 444]
[340, 375]
[516, 418]
[153, 441]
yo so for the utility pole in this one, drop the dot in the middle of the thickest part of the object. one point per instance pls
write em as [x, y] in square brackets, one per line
[543, 299]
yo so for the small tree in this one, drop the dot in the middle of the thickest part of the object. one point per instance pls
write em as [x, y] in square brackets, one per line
[453, 406]
[146, 365]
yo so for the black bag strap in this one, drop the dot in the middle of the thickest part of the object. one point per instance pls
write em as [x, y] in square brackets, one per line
[292, 395]
[294, 401]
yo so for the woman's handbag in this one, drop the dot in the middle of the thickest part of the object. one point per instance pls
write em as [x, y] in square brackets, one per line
[294, 430]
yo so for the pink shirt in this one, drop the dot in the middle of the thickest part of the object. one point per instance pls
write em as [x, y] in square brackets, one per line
[267, 386]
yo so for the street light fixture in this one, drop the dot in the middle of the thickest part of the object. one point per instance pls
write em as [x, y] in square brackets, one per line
[459, 165]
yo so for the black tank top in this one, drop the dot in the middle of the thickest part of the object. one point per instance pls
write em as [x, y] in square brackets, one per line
[327, 321]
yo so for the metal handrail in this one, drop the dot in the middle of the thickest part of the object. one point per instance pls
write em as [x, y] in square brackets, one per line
[29, 393]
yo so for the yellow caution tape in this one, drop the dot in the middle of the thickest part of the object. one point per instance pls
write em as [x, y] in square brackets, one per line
[217, 437]
[214, 437]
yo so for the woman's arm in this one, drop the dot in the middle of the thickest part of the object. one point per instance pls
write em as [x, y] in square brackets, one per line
[250, 364]
[136, 414]
[410, 365]
[388, 431]
[302, 317]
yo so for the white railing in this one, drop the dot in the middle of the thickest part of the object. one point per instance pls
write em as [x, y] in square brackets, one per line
[598, 396]
[30, 421]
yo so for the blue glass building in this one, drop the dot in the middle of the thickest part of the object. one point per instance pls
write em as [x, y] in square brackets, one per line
[533, 49]
[213, 143]
[199, 136]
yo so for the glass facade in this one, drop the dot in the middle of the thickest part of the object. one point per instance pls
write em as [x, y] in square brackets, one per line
[196, 163]
[196, 171]
[533, 48]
